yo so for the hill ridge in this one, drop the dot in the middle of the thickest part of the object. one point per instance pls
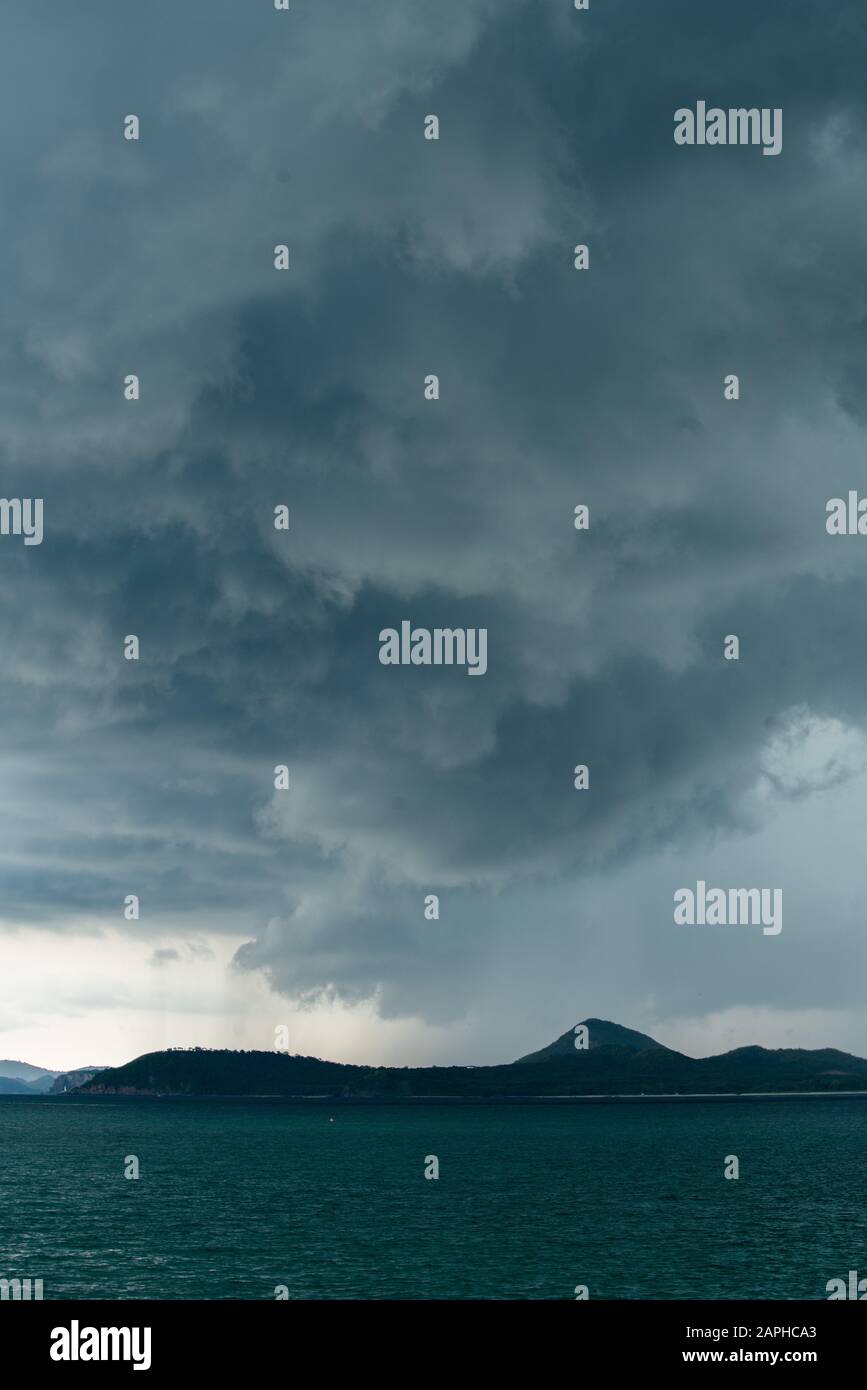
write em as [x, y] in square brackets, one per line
[602, 1069]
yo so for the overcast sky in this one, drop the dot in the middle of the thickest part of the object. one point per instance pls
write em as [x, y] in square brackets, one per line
[305, 388]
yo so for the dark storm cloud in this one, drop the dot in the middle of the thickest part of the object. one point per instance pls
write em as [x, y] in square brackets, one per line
[260, 647]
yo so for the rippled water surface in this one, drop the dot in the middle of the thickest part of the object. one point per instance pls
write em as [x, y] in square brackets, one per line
[236, 1198]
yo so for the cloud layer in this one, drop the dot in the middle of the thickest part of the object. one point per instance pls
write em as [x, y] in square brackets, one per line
[305, 388]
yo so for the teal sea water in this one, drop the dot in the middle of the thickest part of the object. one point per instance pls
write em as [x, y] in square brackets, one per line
[236, 1198]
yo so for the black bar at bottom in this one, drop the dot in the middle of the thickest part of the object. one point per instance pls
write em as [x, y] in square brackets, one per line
[160, 1339]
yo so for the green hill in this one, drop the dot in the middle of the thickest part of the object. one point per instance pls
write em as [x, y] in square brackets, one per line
[600, 1033]
[640, 1066]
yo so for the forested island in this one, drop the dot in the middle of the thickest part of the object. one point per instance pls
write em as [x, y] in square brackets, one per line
[614, 1062]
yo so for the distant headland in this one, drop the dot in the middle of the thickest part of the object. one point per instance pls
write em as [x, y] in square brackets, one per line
[595, 1060]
